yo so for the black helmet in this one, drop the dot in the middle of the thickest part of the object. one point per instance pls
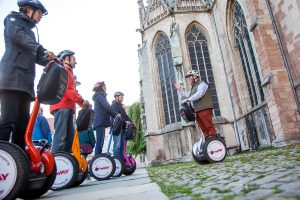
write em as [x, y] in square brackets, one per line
[118, 94]
[64, 53]
[33, 3]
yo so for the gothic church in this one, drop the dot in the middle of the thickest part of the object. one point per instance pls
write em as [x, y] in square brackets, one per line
[248, 51]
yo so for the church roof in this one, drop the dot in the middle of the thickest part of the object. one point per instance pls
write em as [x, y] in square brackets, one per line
[153, 11]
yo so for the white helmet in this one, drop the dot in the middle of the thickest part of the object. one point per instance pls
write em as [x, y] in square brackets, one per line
[192, 73]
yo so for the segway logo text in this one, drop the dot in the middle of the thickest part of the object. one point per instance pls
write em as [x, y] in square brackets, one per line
[62, 172]
[216, 151]
[3, 176]
[101, 168]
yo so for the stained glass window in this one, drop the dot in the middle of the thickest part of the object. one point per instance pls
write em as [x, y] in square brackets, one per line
[167, 77]
[200, 61]
[244, 46]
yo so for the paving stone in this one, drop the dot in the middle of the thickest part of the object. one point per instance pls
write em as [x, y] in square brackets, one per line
[271, 174]
[260, 193]
[268, 179]
[271, 185]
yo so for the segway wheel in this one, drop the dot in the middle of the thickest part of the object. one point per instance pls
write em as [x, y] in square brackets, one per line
[36, 193]
[198, 158]
[67, 171]
[129, 170]
[102, 167]
[82, 176]
[119, 167]
[14, 170]
[215, 150]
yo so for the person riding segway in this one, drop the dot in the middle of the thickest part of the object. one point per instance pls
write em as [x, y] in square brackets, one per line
[213, 149]
[70, 167]
[28, 170]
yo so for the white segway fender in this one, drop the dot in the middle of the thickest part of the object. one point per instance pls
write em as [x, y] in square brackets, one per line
[102, 167]
[8, 173]
[215, 150]
[67, 171]
[14, 170]
[198, 154]
[119, 167]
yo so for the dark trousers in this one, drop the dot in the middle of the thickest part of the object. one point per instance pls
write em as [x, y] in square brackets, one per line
[64, 130]
[14, 116]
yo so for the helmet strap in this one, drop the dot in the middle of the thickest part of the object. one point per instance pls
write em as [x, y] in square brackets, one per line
[68, 63]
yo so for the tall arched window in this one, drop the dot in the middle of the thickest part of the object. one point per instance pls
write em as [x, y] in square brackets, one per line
[244, 46]
[200, 61]
[167, 77]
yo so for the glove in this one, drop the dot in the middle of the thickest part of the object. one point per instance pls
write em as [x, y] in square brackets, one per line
[40, 51]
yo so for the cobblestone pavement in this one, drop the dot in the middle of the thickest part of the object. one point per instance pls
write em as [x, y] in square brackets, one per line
[270, 174]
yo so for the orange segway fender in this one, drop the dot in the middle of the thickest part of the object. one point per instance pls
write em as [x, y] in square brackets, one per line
[76, 153]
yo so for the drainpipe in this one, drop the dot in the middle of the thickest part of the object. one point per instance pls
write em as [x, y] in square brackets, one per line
[286, 64]
[238, 141]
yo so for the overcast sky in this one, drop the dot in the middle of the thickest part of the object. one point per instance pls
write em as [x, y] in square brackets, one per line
[102, 34]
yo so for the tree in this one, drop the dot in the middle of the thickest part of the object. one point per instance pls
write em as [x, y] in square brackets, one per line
[138, 145]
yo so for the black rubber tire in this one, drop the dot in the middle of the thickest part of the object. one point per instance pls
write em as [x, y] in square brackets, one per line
[121, 162]
[206, 153]
[34, 194]
[198, 160]
[129, 170]
[109, 159]
[79, 182]
[75, 170]
[22, 165]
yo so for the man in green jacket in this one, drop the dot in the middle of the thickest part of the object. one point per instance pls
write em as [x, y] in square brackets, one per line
[201, 101]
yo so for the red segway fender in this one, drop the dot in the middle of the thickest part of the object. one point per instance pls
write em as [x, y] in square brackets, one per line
[48, 160]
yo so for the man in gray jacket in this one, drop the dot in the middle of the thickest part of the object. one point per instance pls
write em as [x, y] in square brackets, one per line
[201, 99]
[17, 69]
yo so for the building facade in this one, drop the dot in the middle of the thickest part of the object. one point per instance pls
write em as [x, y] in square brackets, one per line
[249, 54]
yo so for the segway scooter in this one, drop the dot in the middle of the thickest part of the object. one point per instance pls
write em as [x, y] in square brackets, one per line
[103, 167]
[72, 167]
[129, 161]
[204, 151]
[29, 174]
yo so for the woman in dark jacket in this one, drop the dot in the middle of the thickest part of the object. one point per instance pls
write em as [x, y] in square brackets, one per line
[17, 69]
[102, 113]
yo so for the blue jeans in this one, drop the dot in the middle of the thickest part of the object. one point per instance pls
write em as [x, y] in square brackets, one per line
[64, 130]
[118, 147]
[100, 134]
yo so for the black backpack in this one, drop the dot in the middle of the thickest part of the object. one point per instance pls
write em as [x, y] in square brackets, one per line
[52, 84]
[116, 125]
[84, 118]
[130, 132]
[187, 112]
